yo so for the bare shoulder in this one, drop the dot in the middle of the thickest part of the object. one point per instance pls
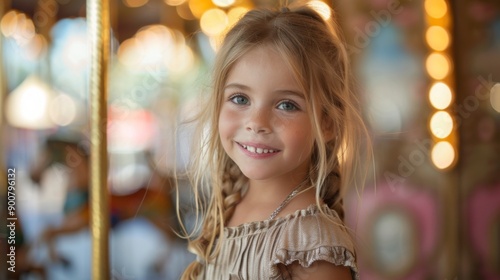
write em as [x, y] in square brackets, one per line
[319, 270]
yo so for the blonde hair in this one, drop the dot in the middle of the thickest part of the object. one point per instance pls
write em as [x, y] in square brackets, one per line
[315, 51]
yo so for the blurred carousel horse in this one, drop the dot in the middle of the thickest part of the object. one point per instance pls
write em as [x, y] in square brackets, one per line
[151, 201]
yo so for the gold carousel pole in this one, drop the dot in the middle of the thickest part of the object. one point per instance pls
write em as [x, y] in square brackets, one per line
[98, 26]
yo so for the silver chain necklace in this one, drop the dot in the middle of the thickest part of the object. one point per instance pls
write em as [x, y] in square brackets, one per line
[285, 202]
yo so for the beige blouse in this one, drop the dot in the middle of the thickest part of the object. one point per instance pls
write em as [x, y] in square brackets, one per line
[253, 250]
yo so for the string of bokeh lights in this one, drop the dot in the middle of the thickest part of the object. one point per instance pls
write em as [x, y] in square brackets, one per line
[441, 93]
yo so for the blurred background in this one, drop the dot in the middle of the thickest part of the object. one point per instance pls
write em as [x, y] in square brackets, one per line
[429, 79]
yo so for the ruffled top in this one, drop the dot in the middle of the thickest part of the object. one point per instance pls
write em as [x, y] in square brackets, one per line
[254, 250]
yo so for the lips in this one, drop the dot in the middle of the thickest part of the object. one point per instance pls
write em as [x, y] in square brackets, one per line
[258, 149]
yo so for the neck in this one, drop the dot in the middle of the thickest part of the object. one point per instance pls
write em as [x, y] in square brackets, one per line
[263, 198]
[272, 190]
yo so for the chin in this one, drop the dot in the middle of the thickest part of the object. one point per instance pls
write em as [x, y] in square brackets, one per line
[253, 174]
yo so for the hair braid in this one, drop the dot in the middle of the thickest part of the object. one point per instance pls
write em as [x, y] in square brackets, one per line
[233, 184]
[232, 187]
[332, 195]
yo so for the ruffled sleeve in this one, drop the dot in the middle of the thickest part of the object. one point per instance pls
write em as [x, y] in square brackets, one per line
[308, 238]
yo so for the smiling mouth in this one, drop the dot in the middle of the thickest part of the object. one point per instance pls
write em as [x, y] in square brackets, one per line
[255, 150]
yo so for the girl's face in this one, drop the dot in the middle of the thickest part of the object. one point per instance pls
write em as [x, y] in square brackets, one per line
[264, 123]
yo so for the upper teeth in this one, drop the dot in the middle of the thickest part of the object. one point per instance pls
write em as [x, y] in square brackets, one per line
[258, 150]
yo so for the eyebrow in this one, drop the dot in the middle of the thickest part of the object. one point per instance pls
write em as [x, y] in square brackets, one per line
[237, 86]
[280, 91]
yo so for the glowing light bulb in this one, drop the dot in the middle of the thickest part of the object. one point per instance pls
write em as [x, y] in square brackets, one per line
[235, 14]
[436, 8]
[223, 3]
[27, 105]
[440, 96]
[213, 22]
[437, 38]
[437, 65]
[174, 2]
[495, 97]
[443, 155]
[441, 124]
[198, 7]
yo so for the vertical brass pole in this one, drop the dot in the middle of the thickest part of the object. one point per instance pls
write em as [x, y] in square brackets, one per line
[98, 26]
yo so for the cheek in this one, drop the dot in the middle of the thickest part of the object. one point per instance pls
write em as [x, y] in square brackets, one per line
[301, 136]
[227, 123]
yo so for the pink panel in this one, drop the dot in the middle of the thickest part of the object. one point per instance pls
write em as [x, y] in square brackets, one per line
[418, 203]
[482, 210]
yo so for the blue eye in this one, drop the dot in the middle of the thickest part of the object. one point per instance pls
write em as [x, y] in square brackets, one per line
[239, 99]
[287, 106]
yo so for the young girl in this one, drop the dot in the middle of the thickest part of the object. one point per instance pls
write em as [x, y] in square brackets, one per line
[282, 144]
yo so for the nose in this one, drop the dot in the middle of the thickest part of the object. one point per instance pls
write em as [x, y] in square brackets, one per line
[259, 121]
